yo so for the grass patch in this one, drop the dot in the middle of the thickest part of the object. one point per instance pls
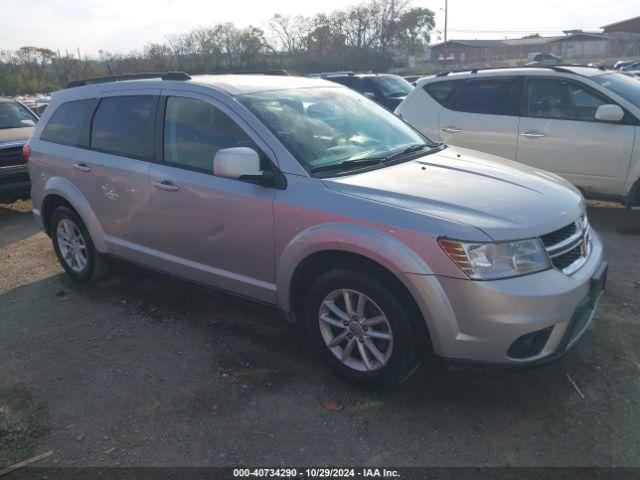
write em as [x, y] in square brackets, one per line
[22, 421]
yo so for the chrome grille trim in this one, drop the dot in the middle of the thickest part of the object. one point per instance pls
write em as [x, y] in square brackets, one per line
[577, 245]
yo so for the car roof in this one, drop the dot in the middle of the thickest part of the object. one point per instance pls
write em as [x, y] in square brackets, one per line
[243, 84]
[236, 84]
[511, 71]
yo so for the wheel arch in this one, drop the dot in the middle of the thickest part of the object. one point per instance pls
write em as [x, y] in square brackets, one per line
[323, 261]
[323, 247]
[633, 197]
[60, 191]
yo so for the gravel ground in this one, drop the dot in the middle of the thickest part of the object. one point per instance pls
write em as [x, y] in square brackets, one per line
[142, 370]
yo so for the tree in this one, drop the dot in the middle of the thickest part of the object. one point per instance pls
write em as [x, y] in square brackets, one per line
[362, 37]
[414, 29]
[289, 33]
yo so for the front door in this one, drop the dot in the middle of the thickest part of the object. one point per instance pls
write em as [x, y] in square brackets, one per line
[558, 132]
[218, 231]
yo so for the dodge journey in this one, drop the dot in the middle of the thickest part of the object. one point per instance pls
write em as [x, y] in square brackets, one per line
[387, 248]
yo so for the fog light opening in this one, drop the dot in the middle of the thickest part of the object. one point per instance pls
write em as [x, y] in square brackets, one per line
[529, 345]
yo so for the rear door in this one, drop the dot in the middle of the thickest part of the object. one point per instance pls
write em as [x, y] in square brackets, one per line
[215, 230]
[112, 170]
[483, 115]
[558, 132]
[422, 108]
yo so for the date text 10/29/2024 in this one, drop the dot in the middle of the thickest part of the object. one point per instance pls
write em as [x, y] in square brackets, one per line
[316, 473]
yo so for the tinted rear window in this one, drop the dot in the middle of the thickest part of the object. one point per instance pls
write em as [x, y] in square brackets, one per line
[124, 126]
[496, 97]
[66, 124]
[441, 91]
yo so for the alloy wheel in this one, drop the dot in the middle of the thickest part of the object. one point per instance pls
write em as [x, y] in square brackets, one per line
[356, 330]
[72, 245]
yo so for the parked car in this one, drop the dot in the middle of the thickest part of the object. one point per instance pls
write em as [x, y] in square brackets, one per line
[545, 59]
[580, 123]
[302, 194]
[17, 123]
[386, 89]
[623, 63]
[630, 67]
[412, 79]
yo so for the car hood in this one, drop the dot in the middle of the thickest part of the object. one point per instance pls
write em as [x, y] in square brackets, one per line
[504, 199]
[15, 134]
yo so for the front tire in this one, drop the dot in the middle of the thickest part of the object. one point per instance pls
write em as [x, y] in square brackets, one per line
[74, 247]
[362, 328]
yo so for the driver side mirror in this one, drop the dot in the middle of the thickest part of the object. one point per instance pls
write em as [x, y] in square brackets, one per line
[609, 113]
[243, 163]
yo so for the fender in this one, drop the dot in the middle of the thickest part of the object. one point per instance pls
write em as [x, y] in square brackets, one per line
[374, 244]
[67, 190]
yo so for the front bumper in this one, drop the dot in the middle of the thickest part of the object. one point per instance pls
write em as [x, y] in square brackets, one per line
[479, 321]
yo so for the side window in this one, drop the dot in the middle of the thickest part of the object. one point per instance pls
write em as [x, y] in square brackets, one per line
[553, 98]
[367, 85]
[125, 126]
[495, 97]
[441, 91]
[585, 103]
[194, 131]
[346, 81]
[66, 124]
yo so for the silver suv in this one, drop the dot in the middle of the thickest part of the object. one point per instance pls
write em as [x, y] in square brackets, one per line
[303, 194]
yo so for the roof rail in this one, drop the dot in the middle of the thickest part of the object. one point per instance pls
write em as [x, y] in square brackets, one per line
[558, 68]
[129, 76]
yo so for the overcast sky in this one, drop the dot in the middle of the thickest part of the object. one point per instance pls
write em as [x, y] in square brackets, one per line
[125, 25]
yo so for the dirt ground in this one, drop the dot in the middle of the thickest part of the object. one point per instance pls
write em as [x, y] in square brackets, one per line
[142, 370]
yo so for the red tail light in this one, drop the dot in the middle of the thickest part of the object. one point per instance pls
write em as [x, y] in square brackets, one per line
[26, 152]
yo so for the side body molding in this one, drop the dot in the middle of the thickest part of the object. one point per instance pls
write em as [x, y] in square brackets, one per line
[372, 243]
[67, 190]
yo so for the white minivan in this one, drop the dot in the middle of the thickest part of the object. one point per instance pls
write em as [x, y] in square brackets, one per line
[581, 123]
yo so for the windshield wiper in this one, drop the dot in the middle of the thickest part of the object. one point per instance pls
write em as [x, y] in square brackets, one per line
[363, 162]
[416, 147]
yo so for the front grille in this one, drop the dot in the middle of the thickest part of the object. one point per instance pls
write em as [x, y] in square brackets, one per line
[570, 246]
[552, 238]
[567, 259]
[11, 156]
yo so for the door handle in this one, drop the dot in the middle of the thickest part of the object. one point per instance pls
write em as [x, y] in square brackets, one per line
[83, 167]
[533, 134]
[165, 185]
[451, 129]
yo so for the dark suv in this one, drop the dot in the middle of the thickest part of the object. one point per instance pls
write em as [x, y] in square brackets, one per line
[386, 89]
[17, 123]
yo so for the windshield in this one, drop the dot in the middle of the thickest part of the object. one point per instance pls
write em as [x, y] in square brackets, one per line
[627, 87]
[333, 126]
[15, 115]
[393, 86]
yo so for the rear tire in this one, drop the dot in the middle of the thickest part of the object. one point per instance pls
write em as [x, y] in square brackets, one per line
[362, 328]
[74, 248]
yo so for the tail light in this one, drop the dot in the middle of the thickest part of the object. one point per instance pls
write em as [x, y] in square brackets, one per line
[26, 152]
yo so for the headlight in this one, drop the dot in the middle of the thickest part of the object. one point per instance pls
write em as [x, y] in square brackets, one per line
[486, 261]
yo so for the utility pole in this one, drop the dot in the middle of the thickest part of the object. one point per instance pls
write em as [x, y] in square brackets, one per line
[446, 11]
